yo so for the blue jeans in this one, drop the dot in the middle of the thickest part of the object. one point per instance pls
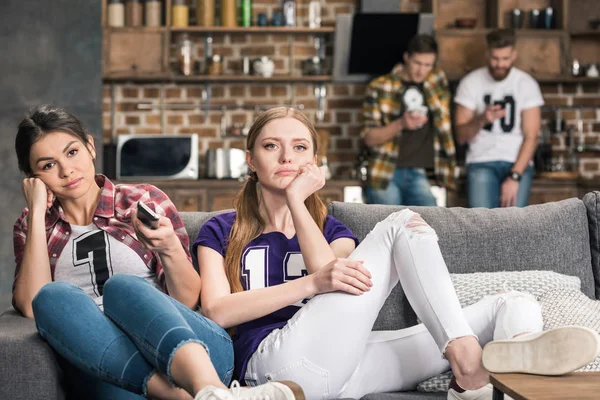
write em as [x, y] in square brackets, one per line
[408, 187]
[484, 180]
[138, 333]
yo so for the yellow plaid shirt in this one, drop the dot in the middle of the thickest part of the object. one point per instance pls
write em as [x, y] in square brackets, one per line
[382, 104]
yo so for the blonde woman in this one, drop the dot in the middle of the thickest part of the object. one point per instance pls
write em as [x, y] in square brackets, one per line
[303, 298]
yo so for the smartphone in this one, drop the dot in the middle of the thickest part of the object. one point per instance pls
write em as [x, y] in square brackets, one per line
[420, 110]
[147, 216]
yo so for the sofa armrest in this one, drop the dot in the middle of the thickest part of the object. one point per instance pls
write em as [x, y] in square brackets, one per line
[29, 369]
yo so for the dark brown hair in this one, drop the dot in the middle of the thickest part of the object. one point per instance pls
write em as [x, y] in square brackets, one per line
[40, 121]
[501, 38]
[422, 44]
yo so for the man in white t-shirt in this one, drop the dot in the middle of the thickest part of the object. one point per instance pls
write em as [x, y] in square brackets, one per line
[498, 114]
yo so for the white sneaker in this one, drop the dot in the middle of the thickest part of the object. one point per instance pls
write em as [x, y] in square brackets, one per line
[284, 390]
[554, 352]
[484, 393]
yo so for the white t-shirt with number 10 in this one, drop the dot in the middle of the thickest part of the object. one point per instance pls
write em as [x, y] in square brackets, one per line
[501, 140]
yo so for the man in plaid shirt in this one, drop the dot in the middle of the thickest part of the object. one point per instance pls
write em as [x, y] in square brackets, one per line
[408, 129]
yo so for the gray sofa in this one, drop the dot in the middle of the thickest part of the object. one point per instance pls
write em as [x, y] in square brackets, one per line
[562, 236]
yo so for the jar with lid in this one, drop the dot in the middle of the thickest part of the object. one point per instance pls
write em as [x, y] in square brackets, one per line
[153, 13]
[215, 65]
[133, 13]
[181, 13]
[116, 13]
[184, 49]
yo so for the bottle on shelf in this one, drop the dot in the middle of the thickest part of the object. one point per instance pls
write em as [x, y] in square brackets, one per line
[228, 14]
[181, 14]
[289, 12]
[185, 49]
[116, 13]
[133, 13]
[246, 13]
[205, 12]
[314, 14]
[153, 13]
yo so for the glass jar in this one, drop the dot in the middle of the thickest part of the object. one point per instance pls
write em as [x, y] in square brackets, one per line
[133, 13]
[116, 13]
[314, 14]
[153, 13]
[181, 13]
[185, 48]
[215, 65]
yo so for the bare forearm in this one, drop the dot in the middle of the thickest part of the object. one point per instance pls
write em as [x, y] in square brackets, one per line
[34, 271]
[380, 135]
[183, 282]
[467, 131]
[237, 308]
[315, 249]
[525, 153]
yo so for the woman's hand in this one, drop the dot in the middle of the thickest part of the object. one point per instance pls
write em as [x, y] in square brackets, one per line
[162, 240]
[309, 180]
[342, 274]
[37, 195]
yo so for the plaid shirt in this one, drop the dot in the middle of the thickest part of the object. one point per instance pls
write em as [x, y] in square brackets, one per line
[113, 215]
[382, 105]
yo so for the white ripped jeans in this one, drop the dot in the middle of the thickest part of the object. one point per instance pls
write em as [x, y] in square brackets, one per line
[330, 350]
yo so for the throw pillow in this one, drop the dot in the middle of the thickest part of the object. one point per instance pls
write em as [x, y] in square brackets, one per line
[571, 307]
[470, 288]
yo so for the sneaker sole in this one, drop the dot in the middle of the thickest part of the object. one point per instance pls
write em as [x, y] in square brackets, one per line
[295, 388]
[554, 352]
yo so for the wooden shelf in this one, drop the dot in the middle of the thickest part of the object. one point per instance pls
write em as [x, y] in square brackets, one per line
[595, 32]
[546, 79]
[215, 78]
[483, 31]
[135, 29]
[254, 29]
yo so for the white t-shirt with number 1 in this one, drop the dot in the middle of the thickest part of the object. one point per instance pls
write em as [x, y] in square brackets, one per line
[501, 140]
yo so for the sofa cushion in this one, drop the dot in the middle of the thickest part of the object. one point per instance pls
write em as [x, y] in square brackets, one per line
[470, 288]
[592, 203]
[552, 236]
[193, 221]
[29, 369]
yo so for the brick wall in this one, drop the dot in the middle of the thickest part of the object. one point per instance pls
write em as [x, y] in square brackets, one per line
[343, 105]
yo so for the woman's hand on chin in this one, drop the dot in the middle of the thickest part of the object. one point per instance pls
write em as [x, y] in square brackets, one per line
[37, 195]
[308, 180]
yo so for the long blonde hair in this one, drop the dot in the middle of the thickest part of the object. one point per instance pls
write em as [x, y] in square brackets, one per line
[249, 224]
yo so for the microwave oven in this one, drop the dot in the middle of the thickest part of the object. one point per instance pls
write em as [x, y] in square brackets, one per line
[157, 157]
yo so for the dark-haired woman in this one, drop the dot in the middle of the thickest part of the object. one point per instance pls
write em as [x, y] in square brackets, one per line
[96, 279]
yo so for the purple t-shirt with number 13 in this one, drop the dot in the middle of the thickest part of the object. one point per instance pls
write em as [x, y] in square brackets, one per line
[270, 259]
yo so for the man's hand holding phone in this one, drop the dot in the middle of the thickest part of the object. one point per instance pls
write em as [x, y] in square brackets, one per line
[414, 118]
[494, 112]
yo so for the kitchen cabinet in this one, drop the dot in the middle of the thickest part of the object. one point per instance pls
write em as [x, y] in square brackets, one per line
[214, 195]
[134, 52]
[144, 54]
[544, 53]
